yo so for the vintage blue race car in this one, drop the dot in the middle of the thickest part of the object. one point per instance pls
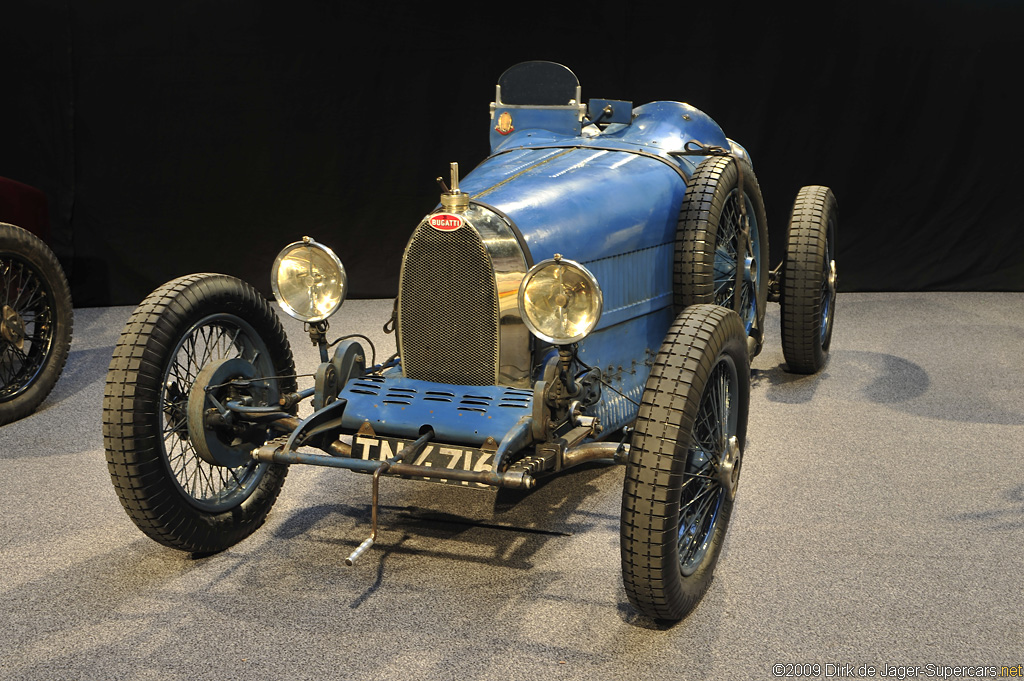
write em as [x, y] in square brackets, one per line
[594, 289]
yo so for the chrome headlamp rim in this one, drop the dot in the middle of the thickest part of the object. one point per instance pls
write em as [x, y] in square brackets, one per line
[590, 278]
[333, 259]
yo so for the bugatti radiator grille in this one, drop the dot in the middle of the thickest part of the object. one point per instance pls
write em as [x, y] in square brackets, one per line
[448, 308]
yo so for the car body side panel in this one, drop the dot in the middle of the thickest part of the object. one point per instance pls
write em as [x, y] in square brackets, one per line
[586, 204]
[625, 353]
[615, 212]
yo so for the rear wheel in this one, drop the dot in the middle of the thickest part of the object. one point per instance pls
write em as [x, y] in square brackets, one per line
[684, 462]
[708, 242]
[35, 322]
[809, 280]
[185, 332]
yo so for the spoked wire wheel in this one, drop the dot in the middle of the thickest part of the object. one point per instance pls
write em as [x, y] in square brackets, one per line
[707, 250]
[829, 282]
[171, 492]
[684, 462]
[222, 336]
[712, 453]
[727, 246]
[35, 322]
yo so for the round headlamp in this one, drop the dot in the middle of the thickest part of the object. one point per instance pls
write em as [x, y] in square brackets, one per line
[309, 280]
[560, 301]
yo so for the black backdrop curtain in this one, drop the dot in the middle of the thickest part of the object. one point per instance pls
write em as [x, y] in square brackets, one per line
[202, 136]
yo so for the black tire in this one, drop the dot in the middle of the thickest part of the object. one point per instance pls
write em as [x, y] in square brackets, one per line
[167, 489]
[706, 242]
[36, 321]
[809, 280]
[674, 515]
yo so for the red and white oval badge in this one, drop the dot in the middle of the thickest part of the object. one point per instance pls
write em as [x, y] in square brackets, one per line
[445, 222]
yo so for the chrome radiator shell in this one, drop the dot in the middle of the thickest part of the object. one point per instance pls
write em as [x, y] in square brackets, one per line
[458, 316]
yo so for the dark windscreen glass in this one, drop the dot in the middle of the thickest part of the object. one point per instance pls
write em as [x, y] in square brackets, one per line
[542, 83]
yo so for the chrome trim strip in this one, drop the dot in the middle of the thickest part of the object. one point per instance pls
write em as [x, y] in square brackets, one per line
[503, 244]
[515, 230]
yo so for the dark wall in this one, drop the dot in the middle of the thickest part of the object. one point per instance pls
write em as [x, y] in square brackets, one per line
[202, 136]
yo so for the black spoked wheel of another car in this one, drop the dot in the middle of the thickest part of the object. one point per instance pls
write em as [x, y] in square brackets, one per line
[808, 297]
[684, 462]
[707, 250]
[165, 483]
[36, 320]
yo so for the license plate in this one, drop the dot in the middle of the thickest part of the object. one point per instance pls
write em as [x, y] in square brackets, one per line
[435, 455]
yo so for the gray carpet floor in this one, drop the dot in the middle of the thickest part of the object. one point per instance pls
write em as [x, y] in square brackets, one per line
[880, 522]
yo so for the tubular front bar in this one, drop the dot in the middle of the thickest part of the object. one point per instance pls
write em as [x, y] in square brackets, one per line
[273, 452]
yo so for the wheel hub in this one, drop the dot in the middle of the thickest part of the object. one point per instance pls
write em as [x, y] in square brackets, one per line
[750, 269]
[728, 474]
[12, 327]
[218, 444]
[833, 277]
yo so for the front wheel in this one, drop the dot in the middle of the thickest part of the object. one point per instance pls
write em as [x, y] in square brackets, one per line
[684, 462]
[161, 469]
[808, 297]
[35, 322]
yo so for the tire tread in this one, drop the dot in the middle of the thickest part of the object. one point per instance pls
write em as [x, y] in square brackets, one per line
[130, 433]
[657, 459]
[801, 281]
